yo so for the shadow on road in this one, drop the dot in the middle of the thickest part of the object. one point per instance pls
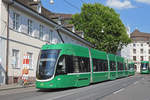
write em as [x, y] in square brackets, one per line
[54, 90]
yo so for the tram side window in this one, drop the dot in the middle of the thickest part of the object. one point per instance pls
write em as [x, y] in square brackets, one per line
[75, 64]
[72, 64]
[112, 66]
[129, 66]
[100, 65]
[105, 65]
[125, 66]
[84, 65]
[61, 66]
[95, 66]
[69, 64]
[120, 66]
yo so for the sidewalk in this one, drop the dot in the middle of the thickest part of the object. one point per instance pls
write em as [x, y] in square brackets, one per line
[14, 86]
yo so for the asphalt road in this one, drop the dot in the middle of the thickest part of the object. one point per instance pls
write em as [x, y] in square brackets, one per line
[130, 88]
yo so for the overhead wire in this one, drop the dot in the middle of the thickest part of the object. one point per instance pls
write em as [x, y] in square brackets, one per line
[70, 4]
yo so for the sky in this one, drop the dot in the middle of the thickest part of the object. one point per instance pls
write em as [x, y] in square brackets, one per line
[133, 13]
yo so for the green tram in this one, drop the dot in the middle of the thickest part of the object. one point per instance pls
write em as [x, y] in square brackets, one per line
[145, 67]
[68, 65]
[131, 68]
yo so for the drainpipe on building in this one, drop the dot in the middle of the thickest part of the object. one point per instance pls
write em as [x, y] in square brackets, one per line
[7, 46]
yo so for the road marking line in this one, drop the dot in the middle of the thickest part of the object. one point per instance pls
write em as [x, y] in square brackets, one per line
[118, 91]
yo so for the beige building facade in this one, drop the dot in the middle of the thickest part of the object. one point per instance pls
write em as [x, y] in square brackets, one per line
[23, 31]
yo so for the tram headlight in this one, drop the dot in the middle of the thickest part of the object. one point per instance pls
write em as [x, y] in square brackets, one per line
[59, 79]
[144, 68]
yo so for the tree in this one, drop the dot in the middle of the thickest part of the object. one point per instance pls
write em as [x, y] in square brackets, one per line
[101, 26]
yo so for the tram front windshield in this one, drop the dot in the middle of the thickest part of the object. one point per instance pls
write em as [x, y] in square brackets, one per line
[131, 66]
[144, 66]
[46, 64]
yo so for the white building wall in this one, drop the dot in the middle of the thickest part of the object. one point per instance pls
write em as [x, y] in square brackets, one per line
[2, 60]
[23, 42]
[128, 52]
[0, 14]
[3, 30]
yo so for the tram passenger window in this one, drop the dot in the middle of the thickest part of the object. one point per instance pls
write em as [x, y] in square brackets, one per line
[61, 66]
[99, 65]
[126, 66]
[76, 64]
[87, 64]
[105, 66]
[122, 66]
[83, 64]
[69, 64]
[112, 66]
[95, 68]
[118, 65]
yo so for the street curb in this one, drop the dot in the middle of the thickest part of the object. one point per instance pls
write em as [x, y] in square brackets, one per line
[11, 88]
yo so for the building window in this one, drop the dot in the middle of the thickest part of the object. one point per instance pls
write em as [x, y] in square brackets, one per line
[15, 21]
[50, 35]
[15, 55]
[41, 32]
[142, 58]
[30, 27]
[141, 50]
[141, 44]
[134, 44]
[30, 60]
[134, 58]
[147, 42]
[134, 51]
[149, 58]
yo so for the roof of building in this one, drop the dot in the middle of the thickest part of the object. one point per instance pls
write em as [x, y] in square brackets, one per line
[30, 4]
[63, 16]
[136, 35]
[136, 32]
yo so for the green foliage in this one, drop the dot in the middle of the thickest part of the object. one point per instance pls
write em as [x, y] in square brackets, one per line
[102, 26]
